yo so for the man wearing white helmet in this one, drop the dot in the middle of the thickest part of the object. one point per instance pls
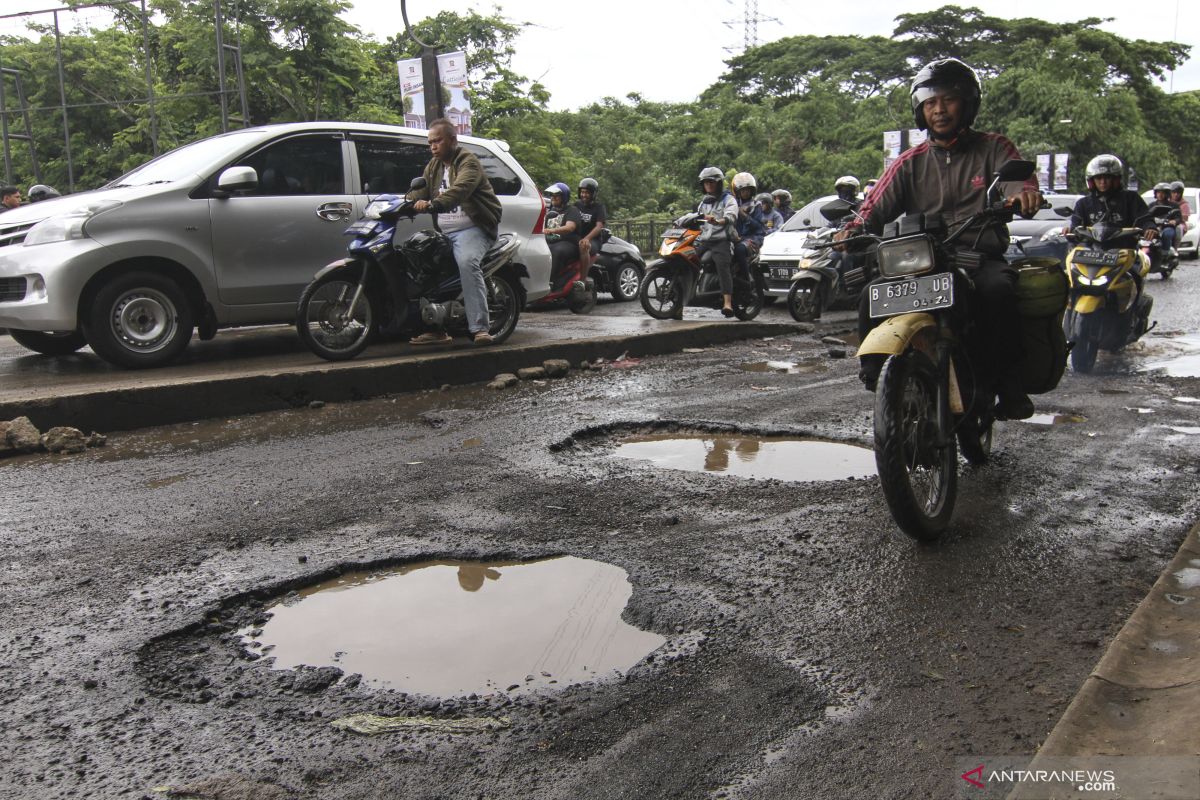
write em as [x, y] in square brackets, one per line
[783, 203]
[847, 188]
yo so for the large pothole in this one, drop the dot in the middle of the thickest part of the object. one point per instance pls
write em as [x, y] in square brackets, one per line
[458, 627]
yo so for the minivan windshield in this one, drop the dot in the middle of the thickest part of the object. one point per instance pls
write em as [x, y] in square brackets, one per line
[188, 161]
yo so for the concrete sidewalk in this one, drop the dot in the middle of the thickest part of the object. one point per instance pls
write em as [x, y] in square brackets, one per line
[1139, 710]
[267, 370]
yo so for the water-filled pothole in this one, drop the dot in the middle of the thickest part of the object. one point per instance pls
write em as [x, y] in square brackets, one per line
[746, 456]
[1184, 365]
[456, 627]
[803, 366]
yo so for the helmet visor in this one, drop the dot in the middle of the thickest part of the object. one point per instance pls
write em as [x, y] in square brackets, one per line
[924, 93]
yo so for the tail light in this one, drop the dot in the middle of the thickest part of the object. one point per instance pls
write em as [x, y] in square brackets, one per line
[541, 220]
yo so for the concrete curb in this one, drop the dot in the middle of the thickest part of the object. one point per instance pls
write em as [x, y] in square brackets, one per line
[185, 400]
[1143, 697]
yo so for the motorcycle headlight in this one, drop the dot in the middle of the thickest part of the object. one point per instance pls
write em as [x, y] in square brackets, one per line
[911, 255]
[67, 226]
[377, 207]
[1099, 280]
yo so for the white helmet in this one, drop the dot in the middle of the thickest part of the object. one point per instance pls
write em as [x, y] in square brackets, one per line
[846, 180]
[742, 180]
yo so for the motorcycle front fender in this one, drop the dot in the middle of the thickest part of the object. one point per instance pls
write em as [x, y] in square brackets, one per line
[334, 266]
[893, 335]
[809, 275]
[1087, 304]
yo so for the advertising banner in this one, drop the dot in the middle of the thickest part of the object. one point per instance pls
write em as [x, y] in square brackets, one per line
[1043, 171]
[1060, 171]
[916, 136]
[891, 148]
[412, 92]
[452, 68]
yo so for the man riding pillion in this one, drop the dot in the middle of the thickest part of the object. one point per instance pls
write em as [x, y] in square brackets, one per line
[948, 175]
[1162, 197]
[720, 212]
[562, 230]
[594, 215]
[469, 214]
[783, 203]
[750, 229]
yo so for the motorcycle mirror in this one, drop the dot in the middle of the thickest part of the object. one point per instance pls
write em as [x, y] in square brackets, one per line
[1015, 170]
[1064, 211]
[417, 183]
[835, 210]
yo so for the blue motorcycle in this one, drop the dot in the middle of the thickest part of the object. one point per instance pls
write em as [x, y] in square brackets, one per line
[385, 289]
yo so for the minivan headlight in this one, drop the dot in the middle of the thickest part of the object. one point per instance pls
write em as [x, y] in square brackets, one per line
[66, 226]
[911, 255]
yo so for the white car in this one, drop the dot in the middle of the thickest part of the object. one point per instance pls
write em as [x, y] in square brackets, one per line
[134, 267]
[783, 250]
[1187, 244]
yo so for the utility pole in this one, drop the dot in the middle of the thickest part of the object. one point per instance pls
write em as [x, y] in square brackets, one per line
[749, 22]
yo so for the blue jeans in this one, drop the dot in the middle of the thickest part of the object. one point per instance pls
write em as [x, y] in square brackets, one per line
[470, 246]
[1167, 237]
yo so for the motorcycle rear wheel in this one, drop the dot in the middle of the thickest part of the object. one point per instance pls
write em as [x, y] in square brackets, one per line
[747, 301]
[804, 301]
[919, 479]
[326, 323]
[660, 294]
[585, 304]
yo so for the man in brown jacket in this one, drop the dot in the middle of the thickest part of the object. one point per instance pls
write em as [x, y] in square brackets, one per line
[469, 214]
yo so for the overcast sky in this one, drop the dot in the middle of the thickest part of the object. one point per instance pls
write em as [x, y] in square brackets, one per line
[672, 51]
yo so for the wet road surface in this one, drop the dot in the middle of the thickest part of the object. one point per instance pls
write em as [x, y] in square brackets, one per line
[810, 649]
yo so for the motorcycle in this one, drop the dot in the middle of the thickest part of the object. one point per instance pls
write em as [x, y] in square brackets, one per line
[382, 288]
[1162, 263]
[619, 268]
[826, 277]
[1109, 306]
[680, 277]
[574, 284]
[932, 389]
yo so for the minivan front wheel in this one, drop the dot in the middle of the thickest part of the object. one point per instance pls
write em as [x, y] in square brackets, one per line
[138, 320]
[49, 343]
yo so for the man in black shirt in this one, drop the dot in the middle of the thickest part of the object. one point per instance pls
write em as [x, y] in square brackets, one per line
[563, 223]
[595, 217]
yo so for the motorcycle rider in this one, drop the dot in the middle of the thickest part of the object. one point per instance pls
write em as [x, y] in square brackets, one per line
[1166, 234]
[868, 186]
[750, 228]
[468, 214]
[772, 220]
[847, 189]
[594, 215]
[40, 191]
[783, 203]
[720, 212]
[1107, 200]
[948, 175]
[1185, 209]
[562, 231]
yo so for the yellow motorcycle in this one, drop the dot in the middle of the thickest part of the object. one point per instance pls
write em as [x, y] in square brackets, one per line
[1109, 307]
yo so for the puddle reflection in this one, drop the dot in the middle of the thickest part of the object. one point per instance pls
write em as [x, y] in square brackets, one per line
[759, 457]
[1184, 365]
[805, 366]
[453, 627]
[1055, 419]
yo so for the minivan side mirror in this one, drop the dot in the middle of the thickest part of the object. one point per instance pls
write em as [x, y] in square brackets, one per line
[238, 179]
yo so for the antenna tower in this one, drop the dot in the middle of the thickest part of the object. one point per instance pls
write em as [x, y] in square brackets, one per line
[749, 22]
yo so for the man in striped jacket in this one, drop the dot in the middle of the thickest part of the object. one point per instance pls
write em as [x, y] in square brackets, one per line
[949, 174]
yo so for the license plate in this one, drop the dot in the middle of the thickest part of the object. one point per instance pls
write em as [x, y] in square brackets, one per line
[781, 273]
[1102, 258]
[926, 293]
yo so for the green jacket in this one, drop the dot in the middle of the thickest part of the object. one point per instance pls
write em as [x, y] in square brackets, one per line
[469, 188]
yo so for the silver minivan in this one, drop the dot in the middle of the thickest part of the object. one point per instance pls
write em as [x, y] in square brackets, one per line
[133, 267]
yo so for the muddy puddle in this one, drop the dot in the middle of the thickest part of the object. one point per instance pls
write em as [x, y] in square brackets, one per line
[1183, 362]
[743, 456]
[452, 628]
[1055, 419]
[801, 367]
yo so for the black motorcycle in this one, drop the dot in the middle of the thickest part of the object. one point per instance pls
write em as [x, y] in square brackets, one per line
[619, 268]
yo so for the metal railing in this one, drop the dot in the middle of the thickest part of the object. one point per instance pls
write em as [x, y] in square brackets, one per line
[646, 235]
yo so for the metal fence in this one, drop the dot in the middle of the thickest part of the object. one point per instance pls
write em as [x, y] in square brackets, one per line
[646, 235]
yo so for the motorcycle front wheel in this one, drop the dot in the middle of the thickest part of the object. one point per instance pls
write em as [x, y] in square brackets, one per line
[919, 479]
[804, 301]
[661, 293]
[326, 322]
[1087, 345]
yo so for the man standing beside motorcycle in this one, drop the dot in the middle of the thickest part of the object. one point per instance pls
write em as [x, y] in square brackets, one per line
[594, 215]
[720, 212]
[469, 214]
[948, 175]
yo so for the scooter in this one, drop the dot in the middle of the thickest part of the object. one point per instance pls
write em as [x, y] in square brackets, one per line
[573, 285]
[1162, 262]
[825, 276]
[1109, 306]
[680, 277]
[384, 289]
[619, 268]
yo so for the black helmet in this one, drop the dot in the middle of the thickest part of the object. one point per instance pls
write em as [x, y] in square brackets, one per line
[946, 73]
[41, 191]
[591, 185]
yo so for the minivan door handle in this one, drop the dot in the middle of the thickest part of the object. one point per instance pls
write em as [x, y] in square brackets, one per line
[334, 212]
